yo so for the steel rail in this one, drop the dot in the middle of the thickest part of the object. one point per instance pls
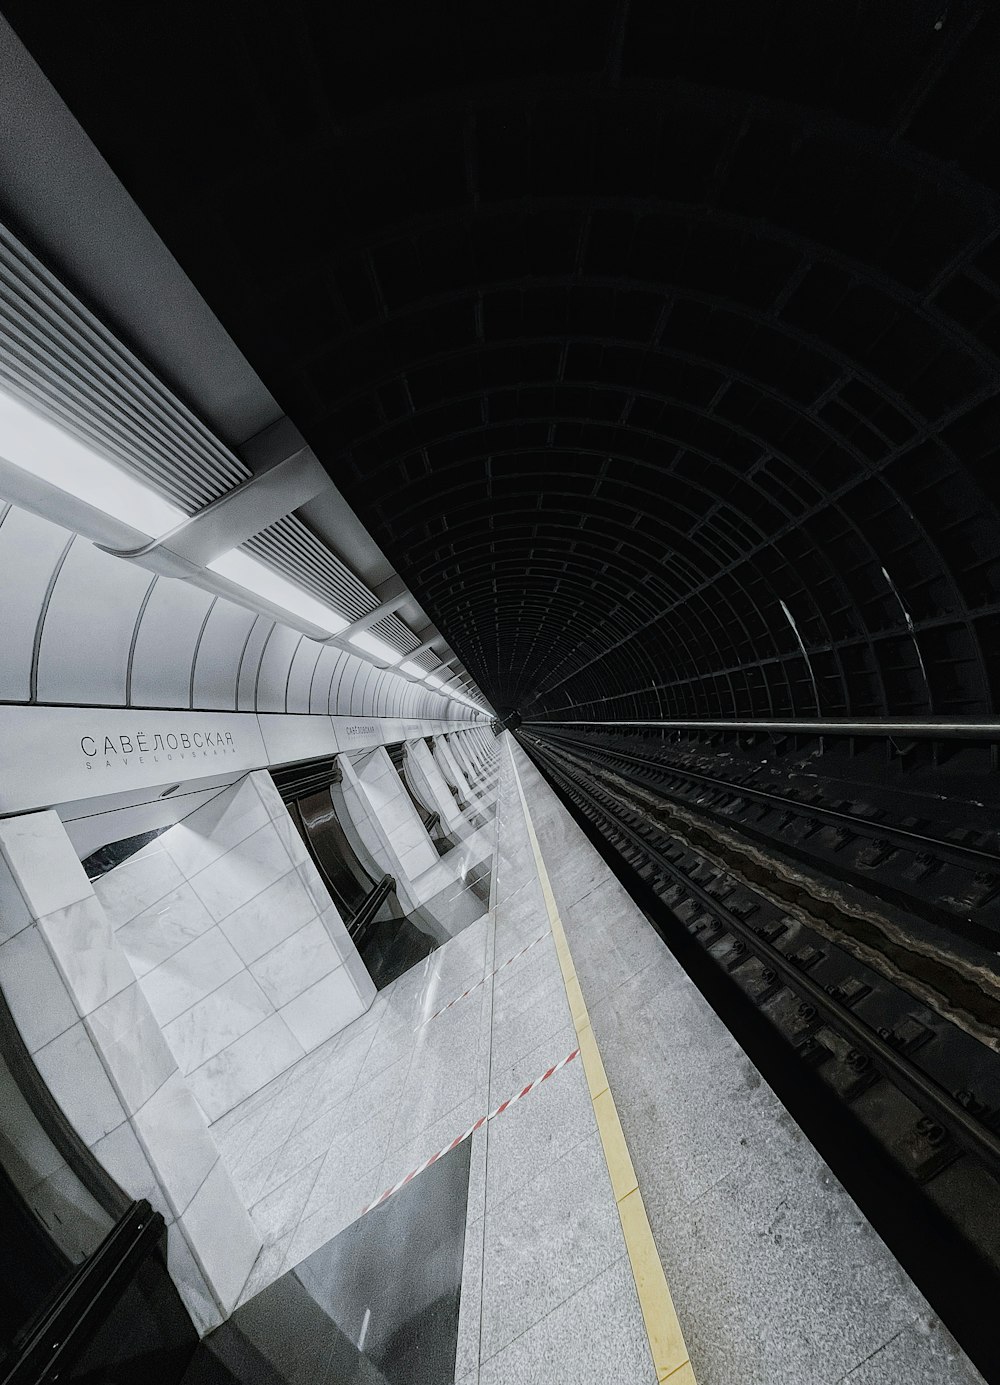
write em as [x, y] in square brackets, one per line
[922, 1089]
[869, 826]
[927, 729]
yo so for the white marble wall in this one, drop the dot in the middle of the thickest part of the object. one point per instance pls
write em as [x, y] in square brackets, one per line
[450, 769]
[239, 950]
[461, 753]
[427, 777]
[96, 1043]
[386, 822]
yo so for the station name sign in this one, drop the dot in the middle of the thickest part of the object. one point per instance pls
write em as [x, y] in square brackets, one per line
[56, 755]
[112, 751]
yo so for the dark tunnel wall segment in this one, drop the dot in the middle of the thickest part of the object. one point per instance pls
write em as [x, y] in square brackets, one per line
[659, 352]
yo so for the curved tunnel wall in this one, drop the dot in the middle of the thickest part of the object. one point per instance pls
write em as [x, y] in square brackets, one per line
[84, 628]
[661, 354]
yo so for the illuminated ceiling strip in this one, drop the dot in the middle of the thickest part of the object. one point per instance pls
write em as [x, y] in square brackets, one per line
[41, 449]
[261, 580]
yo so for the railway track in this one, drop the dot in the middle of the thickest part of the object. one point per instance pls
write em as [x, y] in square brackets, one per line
[887, 998]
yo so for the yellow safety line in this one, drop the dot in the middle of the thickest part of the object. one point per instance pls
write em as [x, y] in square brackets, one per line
[666, 1340]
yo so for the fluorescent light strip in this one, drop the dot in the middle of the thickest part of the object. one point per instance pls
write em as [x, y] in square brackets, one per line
[408, 666]
[262, 580]
[36, 445]
[377, 648]
[433, 681]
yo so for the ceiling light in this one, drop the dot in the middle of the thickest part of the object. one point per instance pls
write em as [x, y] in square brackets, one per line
[377, 648]
[36, 445]
[434, 681]
[263, 581]
[408, 666]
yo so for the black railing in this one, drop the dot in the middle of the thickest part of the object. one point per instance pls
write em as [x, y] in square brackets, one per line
[47, 1346]
[361, 924]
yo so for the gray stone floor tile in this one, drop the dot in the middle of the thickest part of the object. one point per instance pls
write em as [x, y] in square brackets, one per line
[506, 1080]
[545, 1240]
[267, 1267]
[521, 1023]
[280, 1211]
[430, 1094]
[470, 1306]
[381, 1093]
[302, 1148]
[400, 1161]
[816, 1290]
[354, 1161]
[538, 1131]
[596, 1337]
[923, 1353]
[348, 1196]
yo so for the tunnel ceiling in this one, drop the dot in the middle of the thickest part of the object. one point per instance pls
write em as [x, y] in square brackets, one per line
[656, 342]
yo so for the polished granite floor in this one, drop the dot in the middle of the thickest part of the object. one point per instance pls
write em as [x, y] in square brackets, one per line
[376, 1305]
[547, 1293]
[478, 1019]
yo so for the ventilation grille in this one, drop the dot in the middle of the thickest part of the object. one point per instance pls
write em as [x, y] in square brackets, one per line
[300, 556]
[395, 634]
[57, 357]
[305, 777]
[427, 662]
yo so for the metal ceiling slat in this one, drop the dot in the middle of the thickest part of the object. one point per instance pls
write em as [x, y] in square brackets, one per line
[62, 360]
[296, 552]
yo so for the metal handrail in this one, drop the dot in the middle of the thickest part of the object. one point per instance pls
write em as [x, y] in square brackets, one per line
[928, 729]
[50, 1341]
[370, 906]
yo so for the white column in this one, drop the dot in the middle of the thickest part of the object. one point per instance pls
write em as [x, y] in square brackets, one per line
[96, 1043]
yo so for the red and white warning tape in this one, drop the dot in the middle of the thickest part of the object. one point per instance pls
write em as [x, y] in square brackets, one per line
[498, 1111]
[475, 986]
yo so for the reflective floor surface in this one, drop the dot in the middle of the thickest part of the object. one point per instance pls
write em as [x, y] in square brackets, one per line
[377, 1305]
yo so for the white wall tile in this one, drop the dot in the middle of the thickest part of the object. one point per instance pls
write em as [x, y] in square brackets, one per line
[164, 928]
[132, 1046]
[245, 1067]
[223, 1237]
[43, 863]
[217, 1021]
[92, 963]
[280, 910]
[324, 1009]
[174, 1134]
[135, 885]
[41, 1005]
[75, 1076]
[242, 873]
[291, 839]
[190, 1281]
[295, 964]
[268, 793]
[125, 1160]
[364, 986]
[190, 974]
[216, 827]
[14, 912]
[337, 932]
[313, 882]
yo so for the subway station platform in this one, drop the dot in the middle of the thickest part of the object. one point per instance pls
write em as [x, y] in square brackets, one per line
[499, 693]
[480, 1180]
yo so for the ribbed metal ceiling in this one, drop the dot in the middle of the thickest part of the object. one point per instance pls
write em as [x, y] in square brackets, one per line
[657, 346]
[59, 358]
